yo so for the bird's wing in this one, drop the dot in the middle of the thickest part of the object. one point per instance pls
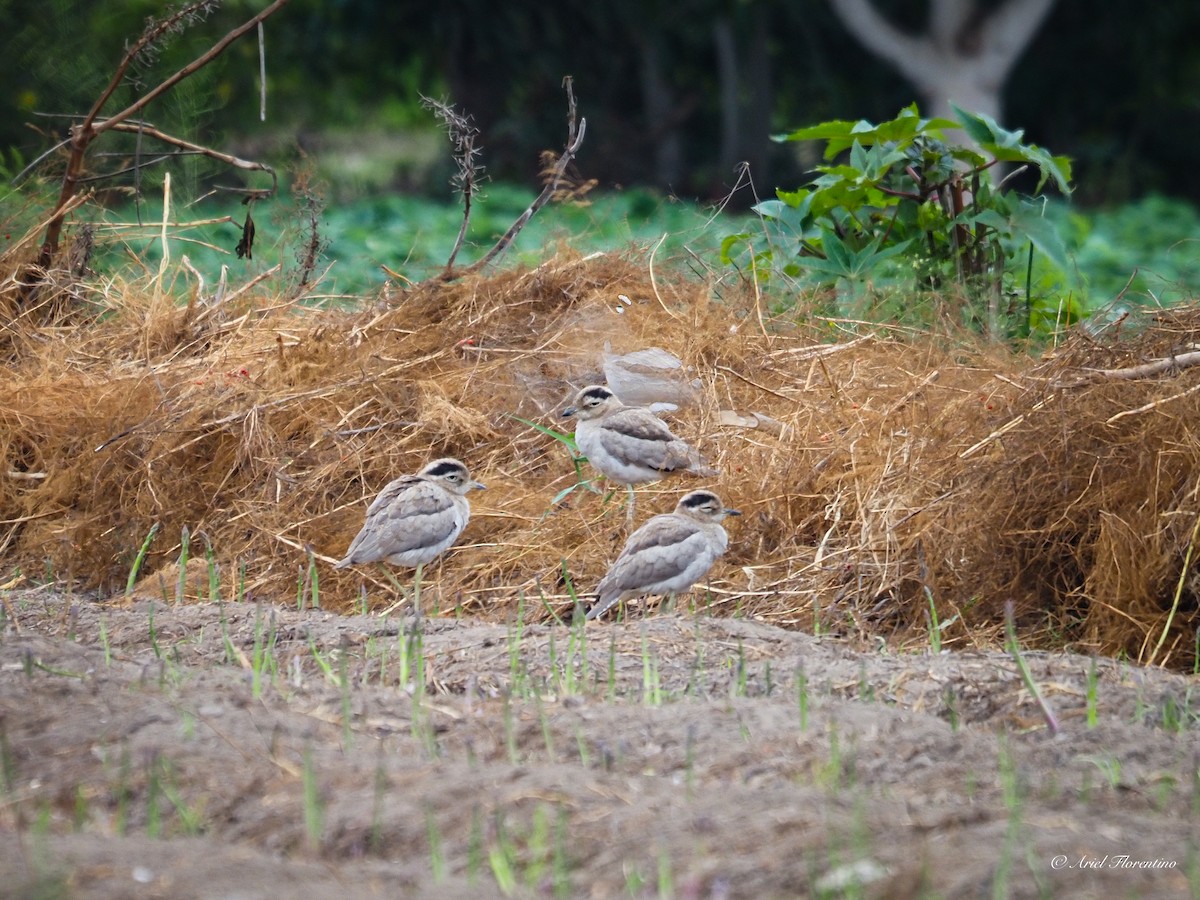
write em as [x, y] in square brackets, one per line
[636, 436]
[663, 533]
[664, 548]
[409, 513]
[639, 424]
[392, 490]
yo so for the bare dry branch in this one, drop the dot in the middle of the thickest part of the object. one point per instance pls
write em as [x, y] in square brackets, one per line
[1156, 367]
[89, 129]
[575, 135]
[190, 69]
[148, 38]
[227, 158]
[1167, 364]
[463, 135]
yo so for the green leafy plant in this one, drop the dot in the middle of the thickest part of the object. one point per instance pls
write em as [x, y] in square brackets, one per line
[909, 209]
[1093, 694]
[577, 459]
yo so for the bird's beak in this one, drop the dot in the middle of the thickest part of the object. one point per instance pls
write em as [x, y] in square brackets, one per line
[733, 512]
[479, 485]
[569, 411]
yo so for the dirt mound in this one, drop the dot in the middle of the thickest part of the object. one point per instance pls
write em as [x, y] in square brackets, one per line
[885, 476]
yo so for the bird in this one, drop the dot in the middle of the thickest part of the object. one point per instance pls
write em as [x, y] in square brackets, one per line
[629, 444]
[415, 519]
[668, 554]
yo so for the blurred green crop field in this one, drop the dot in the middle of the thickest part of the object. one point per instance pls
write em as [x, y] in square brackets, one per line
[1150, 250]
[414, 236]
[1147, 252]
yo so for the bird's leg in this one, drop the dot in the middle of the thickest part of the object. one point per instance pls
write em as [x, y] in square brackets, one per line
[417, 590]
[629, 508]
[387, 573]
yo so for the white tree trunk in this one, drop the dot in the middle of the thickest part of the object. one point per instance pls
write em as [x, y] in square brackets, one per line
[965, 55]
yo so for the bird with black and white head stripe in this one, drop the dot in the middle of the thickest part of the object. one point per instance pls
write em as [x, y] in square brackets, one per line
[415, 519]
[629, 444]
[668, 554]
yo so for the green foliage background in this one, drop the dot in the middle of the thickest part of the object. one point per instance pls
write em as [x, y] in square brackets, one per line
[345, 78]
[1133, 252]
[413, 236]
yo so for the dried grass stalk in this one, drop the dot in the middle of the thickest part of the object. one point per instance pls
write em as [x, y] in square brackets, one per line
[268, 428]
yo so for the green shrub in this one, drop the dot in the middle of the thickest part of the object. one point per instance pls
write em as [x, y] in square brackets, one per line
[909, 215]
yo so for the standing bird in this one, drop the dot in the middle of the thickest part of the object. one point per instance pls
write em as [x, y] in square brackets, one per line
[668, 554]
[629, 444]
[415, 519]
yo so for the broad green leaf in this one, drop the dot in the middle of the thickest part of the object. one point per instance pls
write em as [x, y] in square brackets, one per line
[993, 219]
[843, 262]
[823, 267]
[1006, 146]
[841, 134]
[793, 198]
[843, 172]
[566, 439]
[971, 157]
[1030, 223]
[984, 130]
[836, 251]
[826, 131]
[727, 247]
[858, 157]
[787, 219]
[896, 249]
[771, 208]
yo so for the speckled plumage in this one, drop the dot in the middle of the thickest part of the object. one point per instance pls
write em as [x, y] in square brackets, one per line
[668, 554]
[629, 444]
[415, 518]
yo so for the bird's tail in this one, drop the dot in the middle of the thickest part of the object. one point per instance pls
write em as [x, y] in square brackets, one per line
[684, 457]
[602, 605]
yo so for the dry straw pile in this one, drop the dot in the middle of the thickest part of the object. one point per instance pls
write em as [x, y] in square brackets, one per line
[877, 472]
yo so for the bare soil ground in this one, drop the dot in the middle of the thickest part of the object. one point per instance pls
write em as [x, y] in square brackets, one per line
[241, 750]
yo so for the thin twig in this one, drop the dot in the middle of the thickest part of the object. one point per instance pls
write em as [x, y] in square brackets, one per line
[90, 128]
[574, 140]
[1152, 405]
[136, 168]
[1005, 428]
[24, 173]
[1156, 367]
[463, 134]
[227, 158]
[1179, 586]
[190, 69]
[262, 72]
[654, 281]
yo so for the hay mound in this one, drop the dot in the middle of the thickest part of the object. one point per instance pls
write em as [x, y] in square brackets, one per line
[877, 474]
